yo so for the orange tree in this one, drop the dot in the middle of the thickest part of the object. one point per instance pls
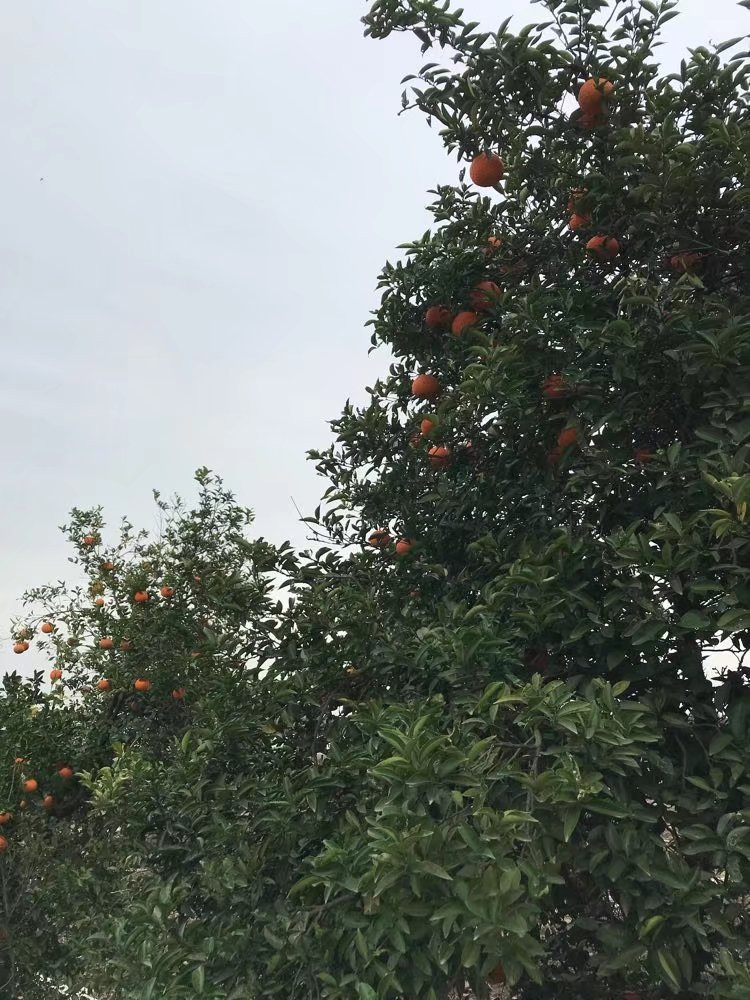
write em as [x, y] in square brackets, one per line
[497, 738]
[551, 483]
[161, 636]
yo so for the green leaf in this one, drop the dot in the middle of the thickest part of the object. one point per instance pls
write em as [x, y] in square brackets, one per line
[735, 620]
[729, 43]
[304, 883]
[694, 620]
[719, 743]
[571, 815]
[650, 925]
[361, 945]
[432, 869]
[470, 954]
[607, 809]
[674, 522]
[272, 939]
[648, 631]
[198, 979]
[670, 967]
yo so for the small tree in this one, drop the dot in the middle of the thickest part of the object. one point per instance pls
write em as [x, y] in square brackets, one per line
[162, 635]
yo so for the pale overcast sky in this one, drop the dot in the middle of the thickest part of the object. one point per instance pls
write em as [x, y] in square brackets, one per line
[197, 198]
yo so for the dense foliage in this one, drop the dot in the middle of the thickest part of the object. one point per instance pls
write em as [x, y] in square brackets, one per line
[494, 736]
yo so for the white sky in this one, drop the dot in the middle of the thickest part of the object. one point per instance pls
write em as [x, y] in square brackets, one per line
[188, 284]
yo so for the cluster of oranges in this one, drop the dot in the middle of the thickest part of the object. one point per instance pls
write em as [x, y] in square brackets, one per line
[591, 100]
[487, 170]
[427, 387]
[554, 387]
[140, 596]
[104, 684]
[483, 297]
[30, 785]
[142, 685]
[21, 645]
[381, 539]
[24, 634]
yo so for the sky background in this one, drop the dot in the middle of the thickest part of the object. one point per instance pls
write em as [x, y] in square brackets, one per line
[197, 199]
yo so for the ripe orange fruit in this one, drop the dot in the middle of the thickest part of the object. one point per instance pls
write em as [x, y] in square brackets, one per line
[48, 801]
[588, 122]
[497, 976]
[20, 647]
[380, 538]
[99, 602]
[463, 321]
[4, 845]
[5, 817]
[47, 627]
[403, 545]
[567, 437]
[486, 170]
[438, 318]
[103, 684]
[643, 456]
[142, 685]
[108, 566]
[593, 94]
[493, 245]
[603, 247]
[554, 387]
[179, 694]
[685, 263]
[484, 296]
[125, 644]
[106, 643]
[167, 592]
[440, 456]
[141, 596]
[65, 772]
[30, 785]
[577, 222]
[426, 426]
[89, 540]
[56, 674]
[425, 387]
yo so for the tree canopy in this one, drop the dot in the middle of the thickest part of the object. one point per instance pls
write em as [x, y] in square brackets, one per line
[491, 733]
